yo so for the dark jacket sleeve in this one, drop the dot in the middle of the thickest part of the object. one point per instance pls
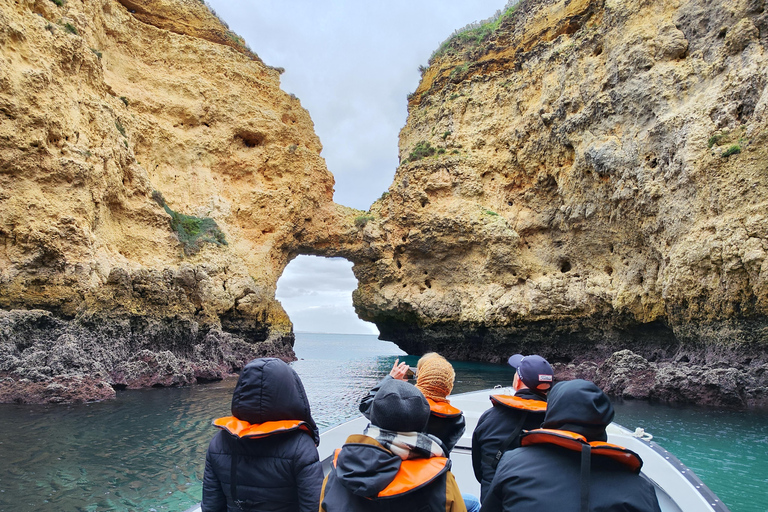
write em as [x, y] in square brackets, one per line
[448, 429]
[365, 403]
[492, 503]
[214, 499]
[309, 475]
[477, 454]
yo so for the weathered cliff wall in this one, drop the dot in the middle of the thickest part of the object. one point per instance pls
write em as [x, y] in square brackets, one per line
[588, 177]
[108, 111]
[581, 179]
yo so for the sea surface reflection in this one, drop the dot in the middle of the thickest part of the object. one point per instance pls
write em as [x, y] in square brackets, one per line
[145, 450]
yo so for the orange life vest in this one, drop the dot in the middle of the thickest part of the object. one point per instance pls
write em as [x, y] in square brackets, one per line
[516, 402]
[574, 441]
[413, 474]
[243, 429]
[443, 409]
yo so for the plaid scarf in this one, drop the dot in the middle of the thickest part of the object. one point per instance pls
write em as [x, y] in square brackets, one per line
[406, 445]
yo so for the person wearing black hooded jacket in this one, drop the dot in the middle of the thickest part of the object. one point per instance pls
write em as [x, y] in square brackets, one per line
[269, 445]
[567, 466]
[394, 465]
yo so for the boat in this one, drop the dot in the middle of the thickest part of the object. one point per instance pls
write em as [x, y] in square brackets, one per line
[677, 487]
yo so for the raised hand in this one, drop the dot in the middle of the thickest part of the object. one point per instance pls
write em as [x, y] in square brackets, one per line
[399, 370]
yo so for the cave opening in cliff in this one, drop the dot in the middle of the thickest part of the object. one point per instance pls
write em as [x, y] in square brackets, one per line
[316, 292]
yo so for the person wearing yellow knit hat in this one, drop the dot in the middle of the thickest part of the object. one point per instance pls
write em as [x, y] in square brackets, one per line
[434, 378]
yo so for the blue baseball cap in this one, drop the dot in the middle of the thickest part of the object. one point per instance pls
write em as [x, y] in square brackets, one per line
[534, 371]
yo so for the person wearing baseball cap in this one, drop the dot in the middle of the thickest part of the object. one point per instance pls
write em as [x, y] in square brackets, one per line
[567, 464]
[499, 428]
[534, 372]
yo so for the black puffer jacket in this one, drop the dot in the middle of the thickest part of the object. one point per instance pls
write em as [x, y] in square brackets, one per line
[447, 427]
[278, 471]
[548, 477]
[493, 428]
[366, 477]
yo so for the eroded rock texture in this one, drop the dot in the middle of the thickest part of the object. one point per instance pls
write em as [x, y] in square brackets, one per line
[588, 182]
[591, 178]
[105, 105]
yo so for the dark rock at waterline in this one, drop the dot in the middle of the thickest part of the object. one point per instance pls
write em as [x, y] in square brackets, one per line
[45, 359]
[72, 389]
[628, 375]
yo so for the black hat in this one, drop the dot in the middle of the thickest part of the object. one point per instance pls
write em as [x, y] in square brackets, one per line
[399, 406]
[534, 371]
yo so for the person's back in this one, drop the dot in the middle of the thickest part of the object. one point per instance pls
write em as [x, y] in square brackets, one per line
[499, 428]
[394, 465]
[269, 444]
[545, 473]
[494, 428]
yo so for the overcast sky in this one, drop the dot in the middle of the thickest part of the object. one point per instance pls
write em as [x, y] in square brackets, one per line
[352, 65]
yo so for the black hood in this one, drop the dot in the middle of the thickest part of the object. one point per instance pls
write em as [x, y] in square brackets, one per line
[365, 470]
[579, 406]
[270, 390]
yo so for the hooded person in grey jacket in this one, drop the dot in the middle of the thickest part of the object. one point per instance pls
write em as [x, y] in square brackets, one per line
[265, 456]
[567, 465]
[394, 465]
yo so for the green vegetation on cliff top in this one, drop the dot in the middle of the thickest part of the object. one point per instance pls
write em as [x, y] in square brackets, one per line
[473, 35]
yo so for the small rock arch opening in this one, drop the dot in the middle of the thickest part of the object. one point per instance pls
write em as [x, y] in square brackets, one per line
[316, 292]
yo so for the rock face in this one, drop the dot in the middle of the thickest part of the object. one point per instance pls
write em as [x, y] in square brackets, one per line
[590, 177]
[630, 376]
[154, 183]
[582, 179]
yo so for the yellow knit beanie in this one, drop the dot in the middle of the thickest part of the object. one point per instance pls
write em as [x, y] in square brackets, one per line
[435, 377]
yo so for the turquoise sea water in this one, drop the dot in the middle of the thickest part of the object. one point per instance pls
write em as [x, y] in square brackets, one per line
[145, 450]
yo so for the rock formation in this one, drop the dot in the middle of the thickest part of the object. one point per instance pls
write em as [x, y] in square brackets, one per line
[580, 177]
[154, 180]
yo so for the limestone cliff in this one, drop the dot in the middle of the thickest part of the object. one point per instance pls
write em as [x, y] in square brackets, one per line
[580, 177]
[154, 183]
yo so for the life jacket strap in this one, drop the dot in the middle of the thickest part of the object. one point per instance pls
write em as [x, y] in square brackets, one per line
[586, 468]
[234, 449]
[507, 444]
